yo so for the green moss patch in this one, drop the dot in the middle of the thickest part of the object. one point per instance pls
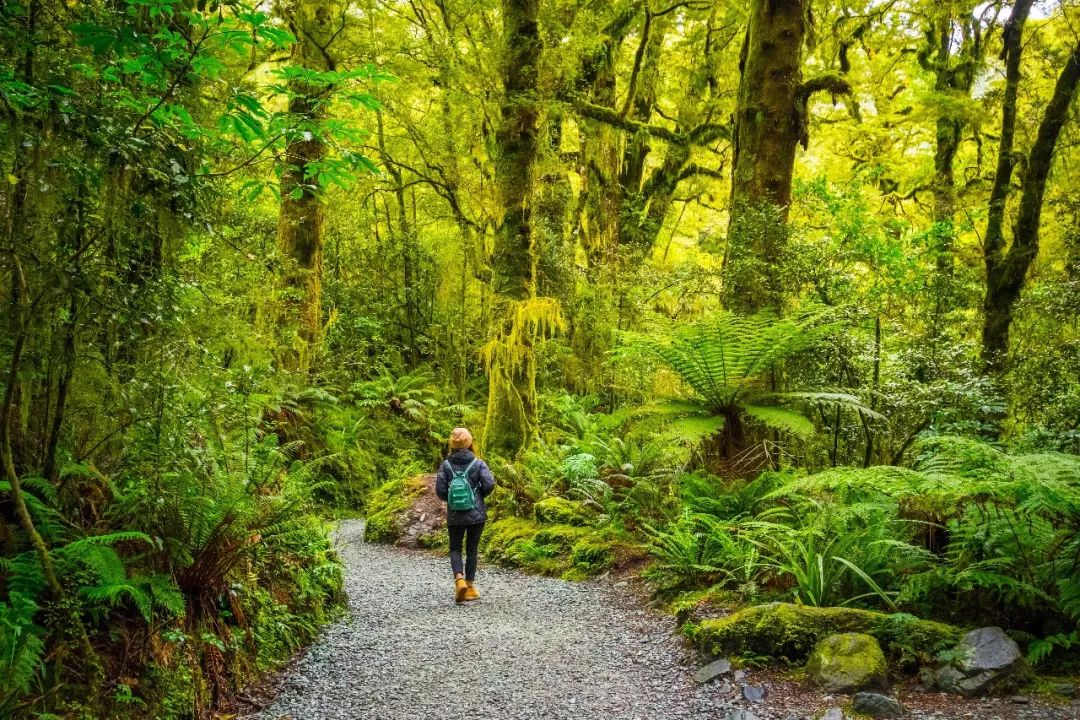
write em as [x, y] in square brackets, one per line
[570, 551]
[791, 632]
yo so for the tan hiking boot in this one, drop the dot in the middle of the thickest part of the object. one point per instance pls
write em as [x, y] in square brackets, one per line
[471, 592]
[461, 590]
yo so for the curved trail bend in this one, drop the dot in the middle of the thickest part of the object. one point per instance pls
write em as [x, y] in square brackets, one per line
[531, 647]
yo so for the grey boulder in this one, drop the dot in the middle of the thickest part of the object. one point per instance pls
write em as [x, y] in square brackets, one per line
[877, 705]
[988, 649]
[713, 670]
[987, 661]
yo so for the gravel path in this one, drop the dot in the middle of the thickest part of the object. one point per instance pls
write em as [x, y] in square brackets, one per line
[531, 647]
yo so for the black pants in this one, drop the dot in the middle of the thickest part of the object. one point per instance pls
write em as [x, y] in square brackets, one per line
[471, 535]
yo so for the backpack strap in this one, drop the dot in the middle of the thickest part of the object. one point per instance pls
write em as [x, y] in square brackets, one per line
[467, 469]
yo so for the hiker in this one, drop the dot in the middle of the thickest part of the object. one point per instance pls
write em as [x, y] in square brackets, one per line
[463, 482]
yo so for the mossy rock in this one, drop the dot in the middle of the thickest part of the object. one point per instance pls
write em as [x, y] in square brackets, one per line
[560, 511]
[387, 506]
[790, 632]
[593, 554]
[848, 662]
[439, 540]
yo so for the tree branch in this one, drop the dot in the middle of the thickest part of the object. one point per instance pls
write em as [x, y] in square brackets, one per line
[694, 169]
[638, 57]
[700, 135]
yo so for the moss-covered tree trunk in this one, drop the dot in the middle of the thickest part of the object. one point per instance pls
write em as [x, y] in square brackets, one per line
[1006, 272]
[315, 23]
[768, 130]
[954, 66]
[637, 228]
[511, 414]
[598, 167]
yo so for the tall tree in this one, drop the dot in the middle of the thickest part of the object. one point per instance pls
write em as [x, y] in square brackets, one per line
[770, 123]
[954, 53]
[315, 24]
[1006, 270]
[509, 355]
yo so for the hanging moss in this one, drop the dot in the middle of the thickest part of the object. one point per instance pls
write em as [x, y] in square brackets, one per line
[509, 360]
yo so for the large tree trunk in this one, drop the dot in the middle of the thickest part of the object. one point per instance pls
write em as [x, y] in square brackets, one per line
[954, 66]
[517, 140]
[1006, 272]
[511, 413]
[768, 128]
[300, 224]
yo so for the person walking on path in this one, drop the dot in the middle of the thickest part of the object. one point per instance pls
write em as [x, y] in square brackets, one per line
[463, 482]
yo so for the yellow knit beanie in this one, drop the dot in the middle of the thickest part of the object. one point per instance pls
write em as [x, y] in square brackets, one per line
[460, 438]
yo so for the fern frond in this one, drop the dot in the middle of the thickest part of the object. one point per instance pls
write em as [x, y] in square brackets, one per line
[778, 418]
[114, 593]
[833, 399]
[112, 538]
[693, 430]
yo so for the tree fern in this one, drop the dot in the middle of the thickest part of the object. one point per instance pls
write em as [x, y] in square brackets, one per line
[782, 419]
[725, 358]
[728, 363]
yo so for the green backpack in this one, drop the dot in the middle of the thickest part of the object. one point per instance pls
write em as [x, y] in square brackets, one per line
[460, 496]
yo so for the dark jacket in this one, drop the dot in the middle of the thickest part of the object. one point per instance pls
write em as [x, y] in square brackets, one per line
[480, 477]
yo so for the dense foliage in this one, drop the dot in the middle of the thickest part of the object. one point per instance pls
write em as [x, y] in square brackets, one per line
[779, 299]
